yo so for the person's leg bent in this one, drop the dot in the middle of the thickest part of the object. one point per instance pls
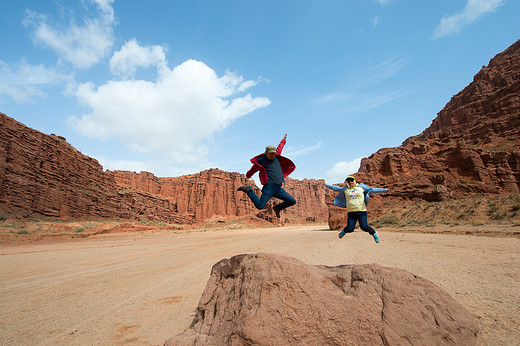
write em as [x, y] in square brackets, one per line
[351, 222]
[287, 199]
[363, 223]
[268, 191]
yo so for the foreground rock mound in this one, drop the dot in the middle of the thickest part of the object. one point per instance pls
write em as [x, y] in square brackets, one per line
[267, 299]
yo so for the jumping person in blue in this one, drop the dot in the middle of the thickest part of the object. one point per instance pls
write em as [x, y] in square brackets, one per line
[272, 168]
[355, 198]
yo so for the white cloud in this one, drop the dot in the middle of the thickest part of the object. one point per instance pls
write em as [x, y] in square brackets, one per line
[173, 117]
[361, 102]
[368, 101]
[301, 151]
[334, 98]
[356, 100]
[26, 81]
[382, 71]
[132, 56]
[81, 45]
[341, 170]
[474, 9]
[126, 165]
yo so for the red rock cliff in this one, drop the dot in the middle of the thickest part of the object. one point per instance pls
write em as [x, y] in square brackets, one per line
[46, 175]
[471, 147]
[213, 192]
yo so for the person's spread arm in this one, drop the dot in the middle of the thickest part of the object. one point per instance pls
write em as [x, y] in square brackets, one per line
[334, 187]
[281, 145]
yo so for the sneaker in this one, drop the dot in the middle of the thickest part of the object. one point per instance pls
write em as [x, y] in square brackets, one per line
[342, 234]
[276, 212]
[245, 188]
[376, 237]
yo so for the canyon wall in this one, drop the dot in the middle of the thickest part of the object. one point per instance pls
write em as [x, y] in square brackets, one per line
[213, 193]
[44, 174]
[472, 146]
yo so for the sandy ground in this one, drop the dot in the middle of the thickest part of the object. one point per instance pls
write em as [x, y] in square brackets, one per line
[141, 288]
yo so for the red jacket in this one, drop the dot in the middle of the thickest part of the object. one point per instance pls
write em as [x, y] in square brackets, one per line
[287, 165]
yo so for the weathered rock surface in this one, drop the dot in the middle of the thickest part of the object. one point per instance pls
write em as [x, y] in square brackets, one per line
[267, 299]
[471, 147]
[46, 175]
[310, 198]
[200, 196]
[213, 193]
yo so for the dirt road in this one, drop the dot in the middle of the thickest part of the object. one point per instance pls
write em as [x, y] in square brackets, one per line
[143, 288]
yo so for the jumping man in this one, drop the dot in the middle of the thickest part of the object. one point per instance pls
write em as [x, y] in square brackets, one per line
[272, 168]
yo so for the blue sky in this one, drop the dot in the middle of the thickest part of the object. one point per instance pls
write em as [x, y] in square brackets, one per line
[176, 87]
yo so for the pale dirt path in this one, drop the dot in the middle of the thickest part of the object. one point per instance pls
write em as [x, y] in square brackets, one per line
[140, 289]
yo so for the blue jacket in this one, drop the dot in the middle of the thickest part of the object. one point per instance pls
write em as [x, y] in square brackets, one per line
[341, 199]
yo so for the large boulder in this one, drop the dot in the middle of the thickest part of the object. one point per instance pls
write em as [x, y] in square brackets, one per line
[267, 299]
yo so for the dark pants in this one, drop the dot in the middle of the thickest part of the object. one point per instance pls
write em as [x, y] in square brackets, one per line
[355, 216]
[269, 191]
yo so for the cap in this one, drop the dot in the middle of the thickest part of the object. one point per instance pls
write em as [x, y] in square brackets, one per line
[270, 149]
[350, 178]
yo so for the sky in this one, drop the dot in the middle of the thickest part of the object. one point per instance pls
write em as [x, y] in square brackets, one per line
[175, 87]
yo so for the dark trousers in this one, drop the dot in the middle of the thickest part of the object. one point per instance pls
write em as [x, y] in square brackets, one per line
[269, 191]
[361, 217]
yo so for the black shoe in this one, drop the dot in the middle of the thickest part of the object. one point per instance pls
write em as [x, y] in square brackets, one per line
[276, 212]
[245, 188]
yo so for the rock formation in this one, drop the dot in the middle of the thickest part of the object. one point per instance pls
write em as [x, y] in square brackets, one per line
[214, 193]
[471, 147]
[200, 196]
[267, 299]
[46, 175]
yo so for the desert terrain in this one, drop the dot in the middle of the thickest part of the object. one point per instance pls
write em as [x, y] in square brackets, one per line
[141, 287]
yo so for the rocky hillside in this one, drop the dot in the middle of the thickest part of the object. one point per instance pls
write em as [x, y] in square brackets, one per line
[213, 193]
[44, 174]
[472, 146]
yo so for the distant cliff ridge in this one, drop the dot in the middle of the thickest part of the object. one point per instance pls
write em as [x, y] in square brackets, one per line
[213, 192]
[44, 174]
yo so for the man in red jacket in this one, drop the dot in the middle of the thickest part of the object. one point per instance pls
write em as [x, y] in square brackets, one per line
[272, 168]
